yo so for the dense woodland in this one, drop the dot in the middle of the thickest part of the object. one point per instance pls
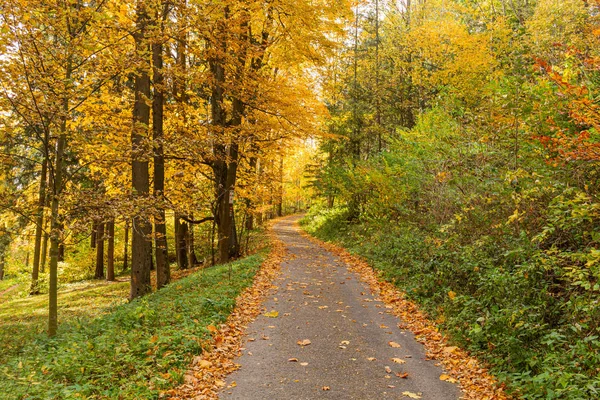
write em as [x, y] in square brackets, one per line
[452, 143]
[465, 167]
[134, 134]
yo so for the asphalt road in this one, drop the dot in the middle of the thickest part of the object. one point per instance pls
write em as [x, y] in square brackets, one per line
[349, 356]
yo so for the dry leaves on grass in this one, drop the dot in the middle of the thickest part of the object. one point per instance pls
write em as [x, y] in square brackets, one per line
[475, 381]
[205, 377]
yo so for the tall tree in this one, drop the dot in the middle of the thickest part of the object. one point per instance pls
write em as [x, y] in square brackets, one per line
[141, 246]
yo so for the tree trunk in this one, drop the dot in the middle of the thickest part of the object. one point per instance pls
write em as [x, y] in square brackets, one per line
[100, 251]
[56, 232]
[44, 250]
[126, 247]
[94, 235]
[110, 256]
[280, 190]
[189, 241]
[39, 225]
[61, 246]
[180, 242]
[163, 274]
[4, 243]
[141, 247]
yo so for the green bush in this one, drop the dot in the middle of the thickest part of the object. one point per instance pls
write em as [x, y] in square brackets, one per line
[512, 304]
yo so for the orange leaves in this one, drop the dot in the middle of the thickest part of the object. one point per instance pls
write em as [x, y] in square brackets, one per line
[304, 342]
[206, 374]
[447, 378]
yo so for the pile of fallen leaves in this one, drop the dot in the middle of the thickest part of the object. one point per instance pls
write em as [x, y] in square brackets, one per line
[475, 381]
[206, 375]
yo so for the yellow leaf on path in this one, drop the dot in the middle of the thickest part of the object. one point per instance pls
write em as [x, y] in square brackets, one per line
[411, 395]
[450, 349]
[304, 364]
[296, 360]
[272, 314]
[205, 364]
[398, 361]
[326, 388]
[447, 378]
[220, 383]
[388, 370]
[304, 342]
[371, 358]
[394, 344]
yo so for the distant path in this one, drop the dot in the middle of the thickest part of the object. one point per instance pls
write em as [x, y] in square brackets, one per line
[320, 300]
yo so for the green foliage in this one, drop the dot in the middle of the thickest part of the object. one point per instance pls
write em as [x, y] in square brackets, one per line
[135, 350]
[544, 346]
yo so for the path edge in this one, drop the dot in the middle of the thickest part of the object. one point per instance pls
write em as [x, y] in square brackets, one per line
[474, 380]
[205, 377]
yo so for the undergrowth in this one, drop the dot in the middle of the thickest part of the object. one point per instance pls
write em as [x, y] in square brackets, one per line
[500, 300]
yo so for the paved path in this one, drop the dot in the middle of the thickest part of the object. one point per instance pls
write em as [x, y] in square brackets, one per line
[320, 300]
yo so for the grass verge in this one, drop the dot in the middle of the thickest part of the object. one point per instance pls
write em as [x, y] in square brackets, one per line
[133, 351]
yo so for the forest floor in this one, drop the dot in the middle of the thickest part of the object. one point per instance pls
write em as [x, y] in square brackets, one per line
[329, 328]
[28, 315]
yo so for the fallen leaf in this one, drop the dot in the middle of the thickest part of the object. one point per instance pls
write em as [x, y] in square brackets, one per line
[411, 395]
[402, 375]
[452, 295]
[447, 378]
[450, 349]
[212, 328]
[371, 358]
[304, 364]
[272, 314]
[391, 386]
[293, 360]
[388, 370]
[345, 342]
[398, 361]
[220, 383]
[326, 388]
[394, 344]
[205, 364]
[304, 342]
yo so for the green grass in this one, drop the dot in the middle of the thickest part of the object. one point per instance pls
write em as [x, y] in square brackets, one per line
[109, 350]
